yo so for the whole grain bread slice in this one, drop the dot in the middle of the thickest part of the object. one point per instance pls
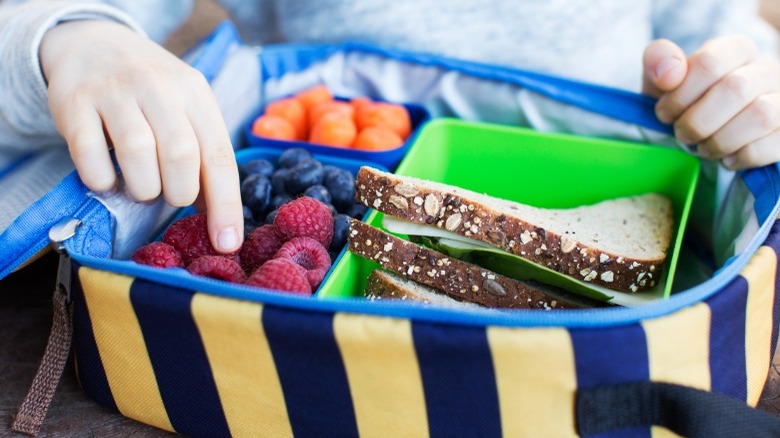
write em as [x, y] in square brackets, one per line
[460, 280]
[386, 285]
[620, 244]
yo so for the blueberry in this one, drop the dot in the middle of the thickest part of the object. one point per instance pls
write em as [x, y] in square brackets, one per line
[333, 256]
[318, 192]
[279, 181]
[279, 200]
[270, 218]
[329, 168]
[249, 218]
[256, 194]
[258, 166]
[356, 210]
[291, 157]
[341, 185]
[333, 210]
[340, 230]
[303, 175]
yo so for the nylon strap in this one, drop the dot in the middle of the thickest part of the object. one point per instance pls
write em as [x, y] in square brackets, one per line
[32, 411]
[683, 410]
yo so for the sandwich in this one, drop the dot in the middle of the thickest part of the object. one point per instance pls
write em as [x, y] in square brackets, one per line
[614, 245]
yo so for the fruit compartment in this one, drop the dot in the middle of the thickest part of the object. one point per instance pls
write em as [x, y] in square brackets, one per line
[540, 169]
[248, 155]
[387, 158]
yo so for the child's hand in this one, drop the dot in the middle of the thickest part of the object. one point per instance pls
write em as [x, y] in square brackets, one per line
[724, 97]
[108, 86]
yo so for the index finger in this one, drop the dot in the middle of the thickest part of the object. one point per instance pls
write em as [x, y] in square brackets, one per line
[219, 171]
[715, 59]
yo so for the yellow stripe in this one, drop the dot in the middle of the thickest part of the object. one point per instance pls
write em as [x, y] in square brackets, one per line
[662, 432]
[536, 380]
[760, 274]
[242, 365]
[122, 348]
[384, 375]
[679, 347]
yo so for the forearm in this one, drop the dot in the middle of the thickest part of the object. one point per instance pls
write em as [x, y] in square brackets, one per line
[25, 119]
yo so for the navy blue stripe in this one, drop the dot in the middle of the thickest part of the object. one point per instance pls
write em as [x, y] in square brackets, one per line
[179, 360]
[632, 432]
[727, 339]
[311, 372]
[92, 375]
[610, 356]
[459, 380]
[773, 241]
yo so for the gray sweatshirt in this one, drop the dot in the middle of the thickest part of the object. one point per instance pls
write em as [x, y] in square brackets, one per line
[598, 41]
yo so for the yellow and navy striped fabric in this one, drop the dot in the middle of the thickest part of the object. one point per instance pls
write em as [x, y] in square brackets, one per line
[210, 366]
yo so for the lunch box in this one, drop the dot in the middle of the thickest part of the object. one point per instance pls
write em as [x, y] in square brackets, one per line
[206, 358]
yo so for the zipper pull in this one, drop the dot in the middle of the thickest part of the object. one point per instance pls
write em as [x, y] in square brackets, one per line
[32, 411]
[58, 234]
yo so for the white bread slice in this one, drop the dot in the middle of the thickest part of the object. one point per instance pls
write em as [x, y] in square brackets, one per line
[384, 285]
[460, 280]
[620, 244]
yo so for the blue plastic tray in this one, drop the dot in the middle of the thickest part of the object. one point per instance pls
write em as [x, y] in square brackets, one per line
[388, 159]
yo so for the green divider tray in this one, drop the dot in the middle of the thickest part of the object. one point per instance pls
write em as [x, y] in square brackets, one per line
[540, 169]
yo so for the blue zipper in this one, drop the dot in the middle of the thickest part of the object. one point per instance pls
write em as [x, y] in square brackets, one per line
[28, 234]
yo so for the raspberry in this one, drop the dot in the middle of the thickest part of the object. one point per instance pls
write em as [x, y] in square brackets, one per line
[158, 254]
[218, 267]
[309, 254]
[260, 246]
[305, 217]
[280, 274]
[190, 237]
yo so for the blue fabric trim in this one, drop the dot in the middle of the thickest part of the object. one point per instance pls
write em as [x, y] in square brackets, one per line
[764, 184]
[727, 340]
[311, 372]
[278, 60]
[181, 367]
[458, 380]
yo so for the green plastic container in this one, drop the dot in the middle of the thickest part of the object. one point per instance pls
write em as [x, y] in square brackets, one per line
[541, 169]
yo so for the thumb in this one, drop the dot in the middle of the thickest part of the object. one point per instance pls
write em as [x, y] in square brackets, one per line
[665, 67]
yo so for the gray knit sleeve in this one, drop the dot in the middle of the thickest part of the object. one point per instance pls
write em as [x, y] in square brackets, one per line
[25, 121]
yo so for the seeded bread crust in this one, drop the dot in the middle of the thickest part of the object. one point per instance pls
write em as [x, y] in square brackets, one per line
[502, 225]
[460, 280]
[385, 285]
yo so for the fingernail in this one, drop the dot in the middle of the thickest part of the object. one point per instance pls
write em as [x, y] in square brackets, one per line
[666, 66]
[681, 137]
[663, 116]
[228, 238]
[729, 161]
[108, 193]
